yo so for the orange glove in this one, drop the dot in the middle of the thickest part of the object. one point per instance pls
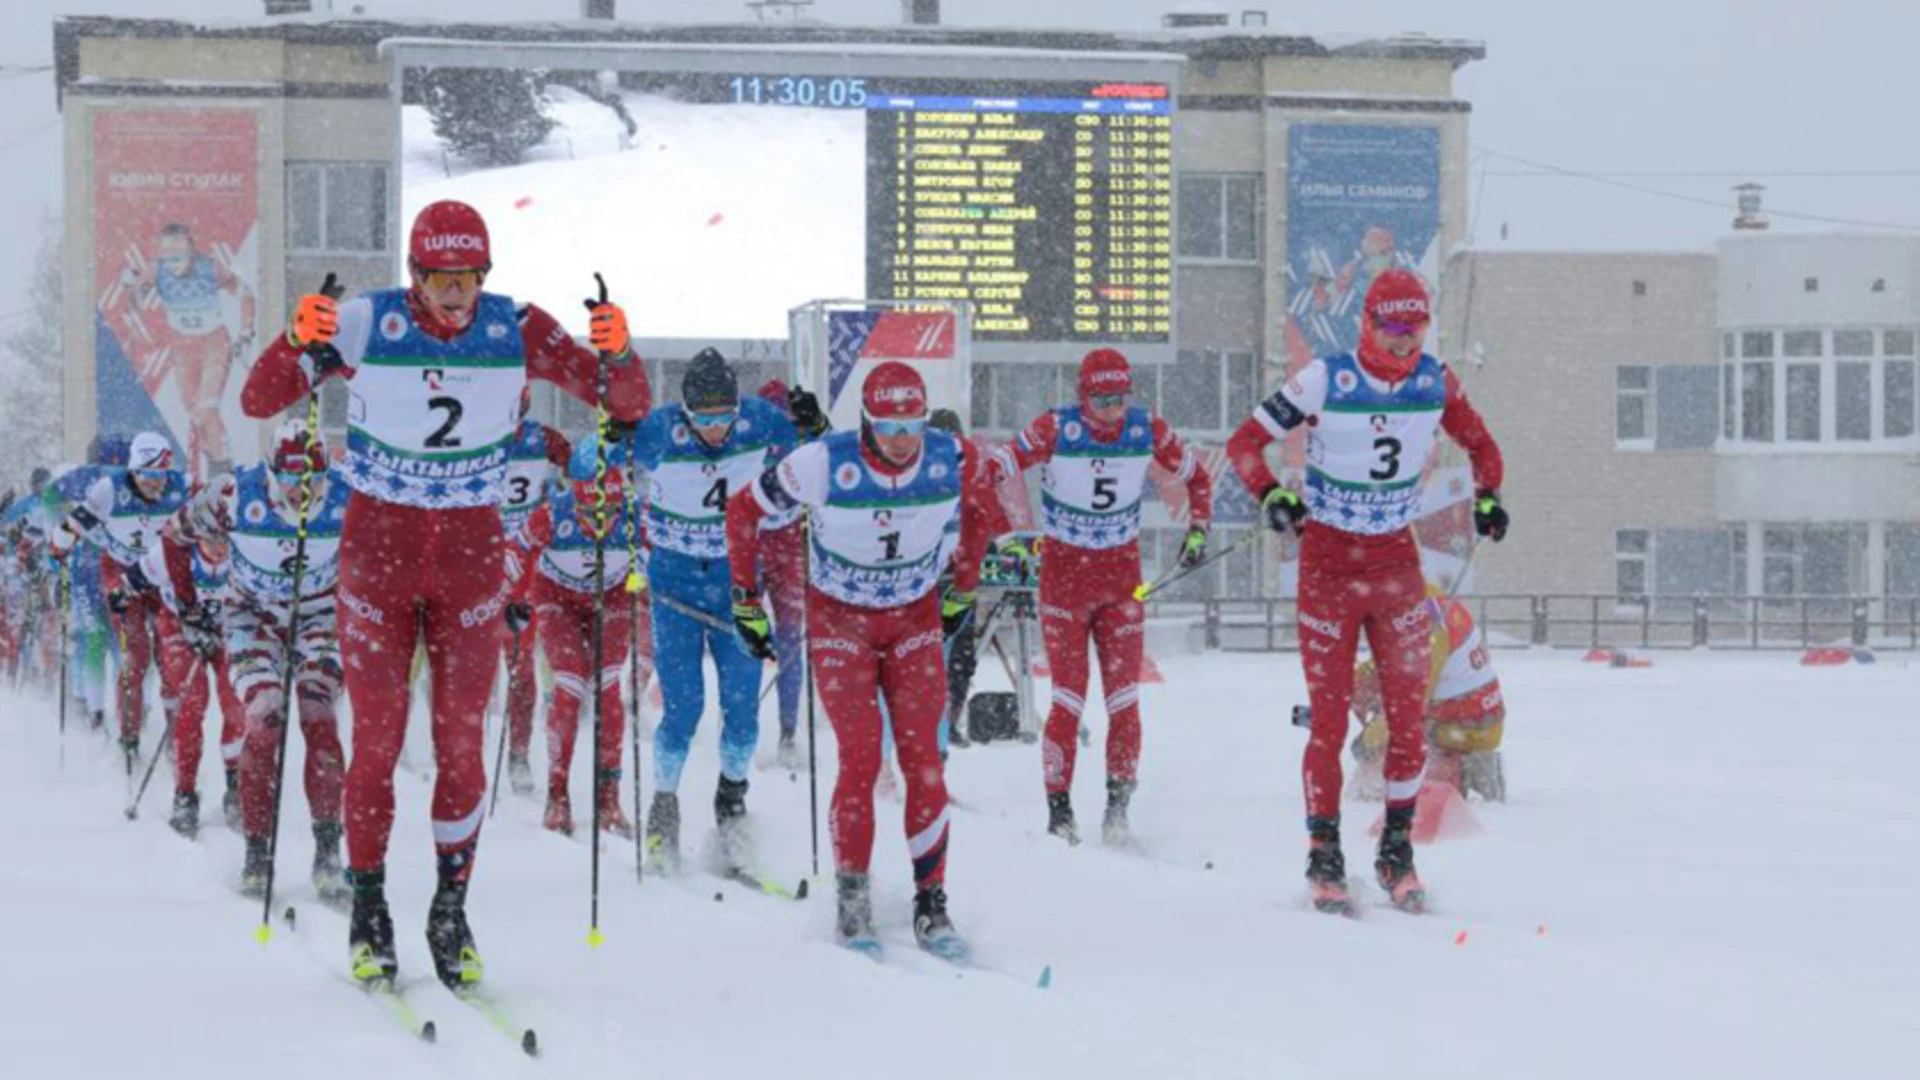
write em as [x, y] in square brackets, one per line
[608, 329]
[315, 321]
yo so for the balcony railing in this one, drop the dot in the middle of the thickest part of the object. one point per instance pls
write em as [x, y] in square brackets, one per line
[1588, 621]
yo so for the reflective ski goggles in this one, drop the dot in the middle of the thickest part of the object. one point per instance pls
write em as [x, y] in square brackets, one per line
[893, 427]
[713, 419]
[1398, 329]
[1107, 401]
[446, 279]
[151, 476]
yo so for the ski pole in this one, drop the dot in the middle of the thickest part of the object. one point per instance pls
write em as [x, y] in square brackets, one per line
[594, 936]
[133, 807]
[62, 595]
[506, 721]
[813, 767]
[1178, 572]
[333, 290]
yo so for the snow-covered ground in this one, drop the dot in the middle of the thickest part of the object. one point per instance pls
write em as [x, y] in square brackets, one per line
[712, 221]
[1707, 868]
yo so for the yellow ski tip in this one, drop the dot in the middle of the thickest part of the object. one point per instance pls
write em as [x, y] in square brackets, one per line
[595, 938]
[263, 933]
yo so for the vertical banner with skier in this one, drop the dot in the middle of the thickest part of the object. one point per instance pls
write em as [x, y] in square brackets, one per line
[176, 209]
[1363, 199]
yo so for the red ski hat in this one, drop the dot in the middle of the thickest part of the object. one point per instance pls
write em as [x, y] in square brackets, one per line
[1398, 298]
[894, 391]
[450, 235]
[1105, 371]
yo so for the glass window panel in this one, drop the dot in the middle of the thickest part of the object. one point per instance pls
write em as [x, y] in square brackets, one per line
[1853, 343]
[1022, 392]
[1632, 377]
[1756, 402]
[1896, 343]
[1897, 399]
[1853, 401]
[303, 207]
[1201, 211]
[1190, 392]
[1630, 577]
[1243, 386]
[1243, 218]
[1631, 541]
[1800, 343]
[1729, 414]
[1756, 343]
[1803, 402]
[356, 207]
[1630, 417]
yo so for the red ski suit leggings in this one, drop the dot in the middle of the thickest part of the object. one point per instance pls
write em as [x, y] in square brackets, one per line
[858, 655]
[566, 636]
[408, 574]
[257, 635]
[1086, 596]
[137, 629]
[1350, 583]
[521, 688]
[183, 689]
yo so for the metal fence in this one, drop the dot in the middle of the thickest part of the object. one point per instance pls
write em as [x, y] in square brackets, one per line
[1599, 622]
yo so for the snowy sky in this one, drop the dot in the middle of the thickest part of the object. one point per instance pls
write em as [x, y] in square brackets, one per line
[1682, 98]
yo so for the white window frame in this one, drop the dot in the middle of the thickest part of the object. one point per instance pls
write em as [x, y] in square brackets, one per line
[1255, 226]
[1643, 558]
[1645, 440]
[324, 170]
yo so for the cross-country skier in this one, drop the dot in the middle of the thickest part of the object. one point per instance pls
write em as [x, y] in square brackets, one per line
[1465, 711]
[122, 514]
[434, 373]
[91, 629]
[536, 451]
[1373, 419]
[558, 541]
[257, 513]
[697, 454]
[191, 580]
[1096, 454]
[882, 503]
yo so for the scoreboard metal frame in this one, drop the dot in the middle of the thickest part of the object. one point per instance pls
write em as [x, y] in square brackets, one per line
[838, 61]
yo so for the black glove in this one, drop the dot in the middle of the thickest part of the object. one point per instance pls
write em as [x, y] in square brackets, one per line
[1489, 517]
[201, 622]
[619, 431]
[807, 415]
[1193, 549]
[956, 609]
[519, 617]
[750, 619]
[1285, 510]
[118, 601]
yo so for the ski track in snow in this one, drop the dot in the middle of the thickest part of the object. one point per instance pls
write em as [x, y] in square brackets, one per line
[1706, 869]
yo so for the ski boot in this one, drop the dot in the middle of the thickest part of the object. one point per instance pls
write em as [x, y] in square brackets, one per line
[1327, 868]
[455, 960]
[663, 832]
[186, 814]
[855, 921]
[730, 821]
[519, 774]
[933, 930]
[788, 756]
[611, 819]
[559, 811]
[1114, 830]
[1394, 864]
[329, 880]
[130, 750]
[1060, 817]
[97, 720]
[230, 799]
[253, 874]
[370, 953]
[957, 729]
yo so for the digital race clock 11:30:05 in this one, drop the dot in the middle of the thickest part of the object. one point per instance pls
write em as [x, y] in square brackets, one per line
[806, 91]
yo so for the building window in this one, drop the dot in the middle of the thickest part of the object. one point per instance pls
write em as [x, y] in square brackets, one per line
[1853, 401]
[1190, 392]
[1897, 399]
[1756, 402]
[1632, 404]
[1853, 343]
[1756, 344]
[1896, 343]
[1632, 549]
[1803, 403]
[1639, 288]
[1737, 545]
[1726, 346]
[1779, 561]
[336, 207]
[1813, 284]
[1800, 343]
[1729, 393]
[1220, 217]
[1243, 386]
[1813, 560]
